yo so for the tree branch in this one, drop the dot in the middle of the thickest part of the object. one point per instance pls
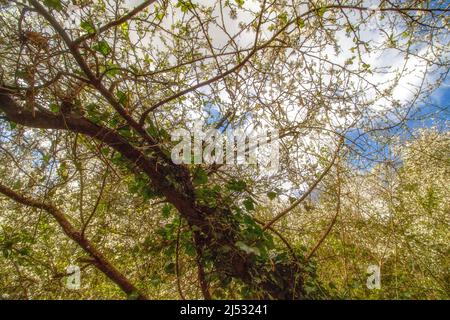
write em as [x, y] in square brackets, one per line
[96, 82]
[332, 223]
[74, 123]
[117, 22]
[99, 259]
[308, 192]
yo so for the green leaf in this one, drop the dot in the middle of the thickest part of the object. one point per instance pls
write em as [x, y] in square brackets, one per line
[54, 108]
[63, 172]
[24, 251]
[21, 74]
[283, 17]
[190, 250]
[170, 268]
[164, 134]
[200, 177]
[88, 26]
[240, 3]
[94, 114]
[133, 295]
[46, 158]
[147, 58]
[126, 132]
[54, 4]
[102, 47]
[112, 70]
[249, 204]
[184, 5]
[160, 15]
[12, 125]
[207, 196]
[272, 195]
[166, 210]
[236, 185]
[125, 29]
[152, 130]
[123, 97]
[321, 11]
[248, 249]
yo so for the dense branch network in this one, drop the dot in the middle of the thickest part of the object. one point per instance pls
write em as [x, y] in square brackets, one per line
[134, 97]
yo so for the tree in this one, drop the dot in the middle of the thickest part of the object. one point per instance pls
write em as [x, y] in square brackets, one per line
[394, 216]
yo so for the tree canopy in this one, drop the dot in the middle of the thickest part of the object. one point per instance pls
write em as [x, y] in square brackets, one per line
[91, 93]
